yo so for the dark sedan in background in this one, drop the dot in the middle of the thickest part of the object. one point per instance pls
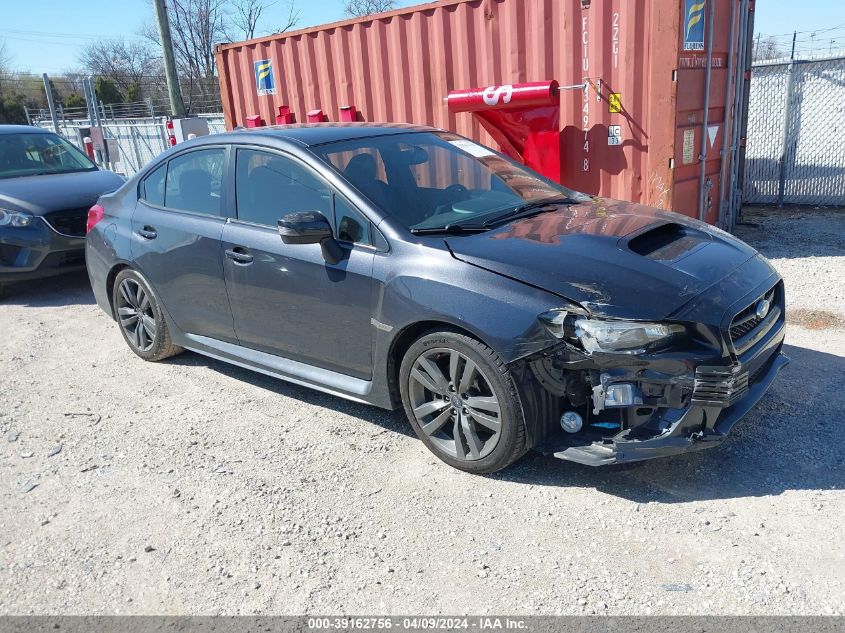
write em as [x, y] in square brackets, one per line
[410, 267]
[46, 188]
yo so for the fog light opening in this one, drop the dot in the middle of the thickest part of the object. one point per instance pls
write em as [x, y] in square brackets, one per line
[571, 422]
[620, 395]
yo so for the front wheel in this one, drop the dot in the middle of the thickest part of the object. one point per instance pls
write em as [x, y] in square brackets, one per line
[461, 401]
[140, 317]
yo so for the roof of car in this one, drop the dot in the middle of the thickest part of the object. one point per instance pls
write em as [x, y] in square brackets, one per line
[22, 129]
[320, 133]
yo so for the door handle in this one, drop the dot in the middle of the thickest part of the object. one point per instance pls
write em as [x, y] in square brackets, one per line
[240, 256]
[148, 233]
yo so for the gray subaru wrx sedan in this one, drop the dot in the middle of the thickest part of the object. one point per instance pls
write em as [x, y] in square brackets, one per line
[409, 267]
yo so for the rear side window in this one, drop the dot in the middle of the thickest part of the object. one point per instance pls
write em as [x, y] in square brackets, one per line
[154, 186]
[194, 181]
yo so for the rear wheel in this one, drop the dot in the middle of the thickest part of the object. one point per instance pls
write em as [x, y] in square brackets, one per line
[462, 403]
[140, 318]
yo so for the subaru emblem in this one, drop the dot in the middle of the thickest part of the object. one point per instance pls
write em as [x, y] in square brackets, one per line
[762, 309]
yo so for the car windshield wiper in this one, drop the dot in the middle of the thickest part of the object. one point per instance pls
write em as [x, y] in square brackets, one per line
[451, 229]
[528, 209]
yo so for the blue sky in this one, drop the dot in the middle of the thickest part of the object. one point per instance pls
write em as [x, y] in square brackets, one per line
[47, 39]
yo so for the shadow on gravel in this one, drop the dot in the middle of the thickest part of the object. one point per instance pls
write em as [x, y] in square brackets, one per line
[393, 421]
[793, 440]
[793, 233]
[64, 290]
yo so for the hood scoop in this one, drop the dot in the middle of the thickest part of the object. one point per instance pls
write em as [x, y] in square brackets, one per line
[668, 242]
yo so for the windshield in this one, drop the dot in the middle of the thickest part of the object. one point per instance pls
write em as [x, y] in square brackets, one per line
[38, 154]
[434, 180]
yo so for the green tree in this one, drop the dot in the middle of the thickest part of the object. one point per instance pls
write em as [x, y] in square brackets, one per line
[133, 93]
[107, 91]
[74, 100]
[12, 108]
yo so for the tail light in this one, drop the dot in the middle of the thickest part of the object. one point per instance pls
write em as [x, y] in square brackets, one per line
[95, 214]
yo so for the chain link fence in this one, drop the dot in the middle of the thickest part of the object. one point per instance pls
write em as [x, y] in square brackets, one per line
[138, 141]
[796, 123]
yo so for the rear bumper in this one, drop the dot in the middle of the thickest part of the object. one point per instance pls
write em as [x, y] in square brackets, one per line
[37, 251]
[698, 428]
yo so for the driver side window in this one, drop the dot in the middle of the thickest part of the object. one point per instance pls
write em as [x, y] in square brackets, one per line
[268, 186]
[350, 224]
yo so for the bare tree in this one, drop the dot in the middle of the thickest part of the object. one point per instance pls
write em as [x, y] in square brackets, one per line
[357, 8]
[293, 17]
[5, 58]
[768, 48]
[196, 26]
[246, 16]
[125, 64]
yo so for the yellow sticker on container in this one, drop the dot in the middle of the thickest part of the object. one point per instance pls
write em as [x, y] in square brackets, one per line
[614, 102]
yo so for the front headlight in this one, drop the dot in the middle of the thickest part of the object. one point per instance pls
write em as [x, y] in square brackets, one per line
[15, 218]
[625, 337]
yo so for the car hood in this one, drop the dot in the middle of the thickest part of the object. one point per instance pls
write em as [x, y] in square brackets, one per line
[616, 259]
[55, 192]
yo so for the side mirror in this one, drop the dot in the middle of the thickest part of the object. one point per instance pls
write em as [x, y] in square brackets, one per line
[311, 227]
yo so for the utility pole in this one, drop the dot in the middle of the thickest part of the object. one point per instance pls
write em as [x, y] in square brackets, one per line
[177, 106]
[49, 90]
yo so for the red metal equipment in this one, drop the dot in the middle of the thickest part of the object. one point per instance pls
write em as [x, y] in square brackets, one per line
[171, 133]
[89, 147]
[254, 120]
[524, 119]
[316, 116]
[285, 116]
[348, 113]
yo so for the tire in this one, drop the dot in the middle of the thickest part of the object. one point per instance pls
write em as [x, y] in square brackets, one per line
[476, 391]
[148, 337]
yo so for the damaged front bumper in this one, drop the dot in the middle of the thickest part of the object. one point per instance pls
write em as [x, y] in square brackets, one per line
[699, 427]
[682, 399]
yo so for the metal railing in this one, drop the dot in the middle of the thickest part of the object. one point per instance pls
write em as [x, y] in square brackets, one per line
[796, 119]
[137, 140]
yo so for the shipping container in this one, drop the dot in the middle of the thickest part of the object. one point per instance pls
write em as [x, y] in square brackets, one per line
[646, 98]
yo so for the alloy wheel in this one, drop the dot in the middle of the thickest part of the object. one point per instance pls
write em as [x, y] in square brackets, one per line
[454, 404]
[135, 312]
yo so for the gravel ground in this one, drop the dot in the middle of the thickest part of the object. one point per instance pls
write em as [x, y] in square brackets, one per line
[192, 486]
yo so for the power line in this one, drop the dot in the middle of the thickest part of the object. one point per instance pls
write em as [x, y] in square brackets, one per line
[817, 31]
[71, 36]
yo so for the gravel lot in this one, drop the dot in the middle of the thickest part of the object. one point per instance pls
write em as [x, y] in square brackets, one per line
[192, 486]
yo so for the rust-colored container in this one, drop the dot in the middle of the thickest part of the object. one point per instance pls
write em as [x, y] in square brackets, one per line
[633, 74]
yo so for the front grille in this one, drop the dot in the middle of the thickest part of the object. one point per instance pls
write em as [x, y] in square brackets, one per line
[747, 328]
[68, 222]
[719, 386]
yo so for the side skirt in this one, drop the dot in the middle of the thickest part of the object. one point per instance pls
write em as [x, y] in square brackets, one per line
[302, 374]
